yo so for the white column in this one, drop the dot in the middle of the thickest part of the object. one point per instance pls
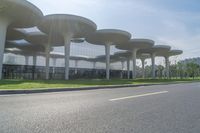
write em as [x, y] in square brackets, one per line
[153, 65]
[34, 60]
[134, 57]
[94, 65]
[54, 65]
[76, 66]
[107, 51]
[143, 68]
[47, 53]
[167, 66]
[3, 30]
[34, 66]
[67, 55]
[128, 68]
[26, 60]
[122, 63]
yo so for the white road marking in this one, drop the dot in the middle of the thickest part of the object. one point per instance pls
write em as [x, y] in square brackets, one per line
[136, 96]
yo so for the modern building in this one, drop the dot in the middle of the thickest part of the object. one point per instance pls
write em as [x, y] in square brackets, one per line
[65, 31]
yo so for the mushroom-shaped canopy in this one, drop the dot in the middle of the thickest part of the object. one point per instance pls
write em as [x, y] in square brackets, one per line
[14, 34]
[20, 52]
[68, 26]
[12, 50]
[136, 44]
[43, 39]
[127, 55]
[79, 57]
[170, 53]
[175, 52]
[25, 46]
[19, 13]
[111, 36]
[56, 55]
[91, 59]
[62, 56]
[113, 58]
[64, 24]
[123, 54]
[143, 56]
[156, 49]
[77, 40]
[100, 58]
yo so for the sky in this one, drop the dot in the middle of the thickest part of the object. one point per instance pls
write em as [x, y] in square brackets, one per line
[170, 22]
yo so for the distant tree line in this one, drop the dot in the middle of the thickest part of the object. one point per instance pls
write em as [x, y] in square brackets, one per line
[189, 68]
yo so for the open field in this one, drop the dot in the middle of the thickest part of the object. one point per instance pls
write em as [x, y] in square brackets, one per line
[41, 84]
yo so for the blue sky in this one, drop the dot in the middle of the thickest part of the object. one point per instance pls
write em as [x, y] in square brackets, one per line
[173, 22]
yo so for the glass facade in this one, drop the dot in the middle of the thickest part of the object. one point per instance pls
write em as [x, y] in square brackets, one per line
[38, 72]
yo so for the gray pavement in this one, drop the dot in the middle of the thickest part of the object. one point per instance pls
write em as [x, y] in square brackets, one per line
[151, 109]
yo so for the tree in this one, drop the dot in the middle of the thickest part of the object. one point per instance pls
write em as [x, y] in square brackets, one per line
[192, 69]
[160, 70]
[180, 69]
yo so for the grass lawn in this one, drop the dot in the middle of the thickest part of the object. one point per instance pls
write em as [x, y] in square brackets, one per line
[41, 84]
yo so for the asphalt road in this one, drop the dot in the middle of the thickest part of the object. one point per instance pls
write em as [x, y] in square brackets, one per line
[153, 109]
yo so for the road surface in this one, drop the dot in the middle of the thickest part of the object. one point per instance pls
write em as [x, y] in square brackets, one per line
[153, 109]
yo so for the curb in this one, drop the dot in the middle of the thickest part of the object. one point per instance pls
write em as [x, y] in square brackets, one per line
[7, 92]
